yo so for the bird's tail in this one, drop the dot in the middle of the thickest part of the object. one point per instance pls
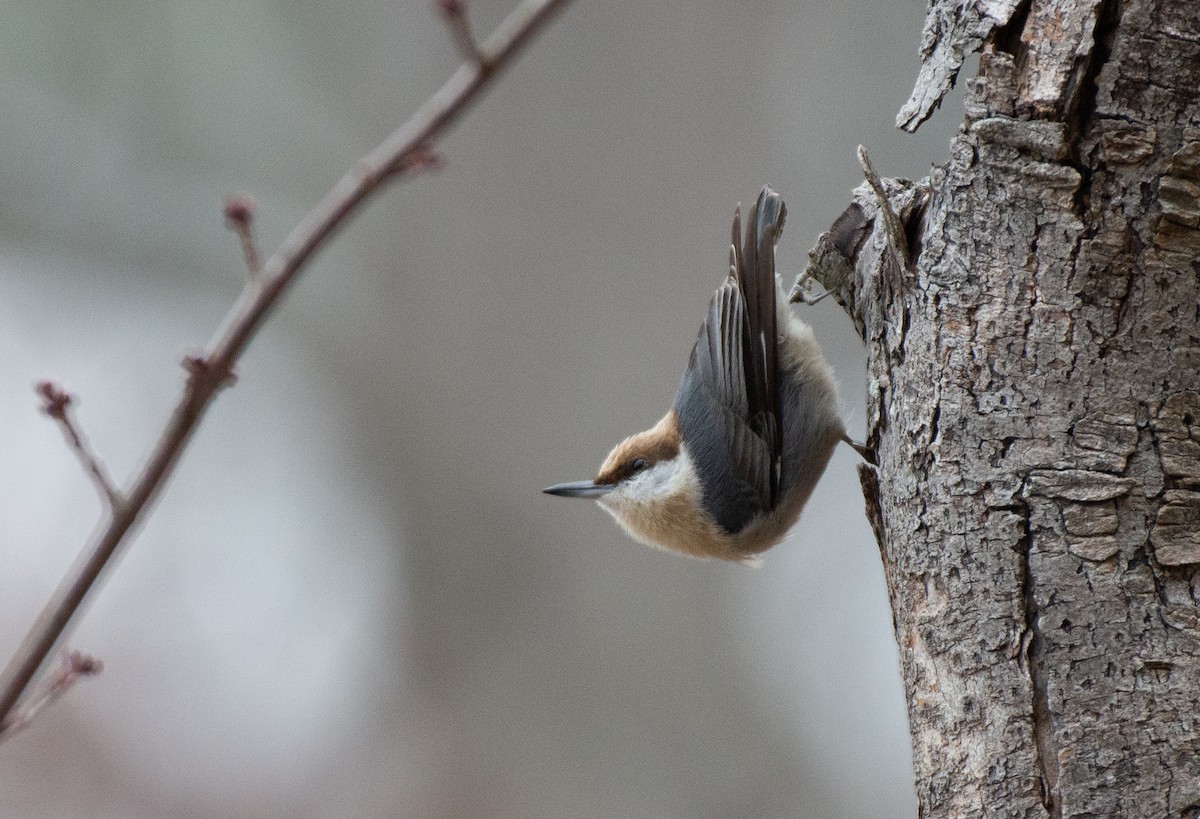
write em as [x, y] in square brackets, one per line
[753, 263]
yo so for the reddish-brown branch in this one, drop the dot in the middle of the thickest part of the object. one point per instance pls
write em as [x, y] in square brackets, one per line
[407, 149]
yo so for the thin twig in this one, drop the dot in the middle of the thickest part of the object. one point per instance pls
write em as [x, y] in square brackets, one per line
[891, 222]
[212, 369]
[455, 14]
[74, 665]
[56, 403]
[239, 217]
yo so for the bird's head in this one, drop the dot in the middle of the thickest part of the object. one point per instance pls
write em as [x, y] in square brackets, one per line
[649, 484]
[638, 469]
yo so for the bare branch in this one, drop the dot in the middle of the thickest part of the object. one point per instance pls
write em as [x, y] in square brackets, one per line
[407, 149]
[891, 222]
[56, 403]
[239, 217]
[74, 665]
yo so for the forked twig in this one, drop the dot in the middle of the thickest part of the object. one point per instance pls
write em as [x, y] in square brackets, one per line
[406, 150]
[56, 403]
[455, 14]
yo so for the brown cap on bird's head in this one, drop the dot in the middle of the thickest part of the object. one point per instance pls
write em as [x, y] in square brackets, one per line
[641, 451]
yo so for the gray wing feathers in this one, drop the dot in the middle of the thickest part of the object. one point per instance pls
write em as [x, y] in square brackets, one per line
[728, 404]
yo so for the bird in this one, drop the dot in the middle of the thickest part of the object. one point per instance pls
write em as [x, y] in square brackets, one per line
[727, 471]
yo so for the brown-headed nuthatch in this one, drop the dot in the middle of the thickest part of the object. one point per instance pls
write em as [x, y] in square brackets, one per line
[727, 471]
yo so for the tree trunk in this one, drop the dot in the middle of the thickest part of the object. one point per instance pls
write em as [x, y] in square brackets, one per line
[1035, 404]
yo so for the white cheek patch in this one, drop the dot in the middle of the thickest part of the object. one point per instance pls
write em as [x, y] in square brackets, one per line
[663, 479]
[649, 483]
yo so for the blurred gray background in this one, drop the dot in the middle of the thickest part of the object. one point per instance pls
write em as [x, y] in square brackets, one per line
[354, 599]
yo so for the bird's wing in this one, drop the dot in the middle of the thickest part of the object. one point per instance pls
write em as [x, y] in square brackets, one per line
[728, 403]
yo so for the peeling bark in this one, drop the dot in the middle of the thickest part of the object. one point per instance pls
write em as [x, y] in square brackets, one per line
[953, 31]
[1035, 406]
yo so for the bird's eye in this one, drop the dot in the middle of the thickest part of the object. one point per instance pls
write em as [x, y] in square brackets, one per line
[638, 464]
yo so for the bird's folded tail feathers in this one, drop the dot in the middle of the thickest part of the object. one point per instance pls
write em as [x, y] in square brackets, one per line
[755, 276]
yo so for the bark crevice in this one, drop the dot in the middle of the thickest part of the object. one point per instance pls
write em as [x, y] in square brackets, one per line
[1032, 641]
[1108, 20]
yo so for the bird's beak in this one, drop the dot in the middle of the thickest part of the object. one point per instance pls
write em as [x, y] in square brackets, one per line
[579, 489]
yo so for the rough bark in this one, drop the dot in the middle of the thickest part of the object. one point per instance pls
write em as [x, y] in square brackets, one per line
[1035, 404]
